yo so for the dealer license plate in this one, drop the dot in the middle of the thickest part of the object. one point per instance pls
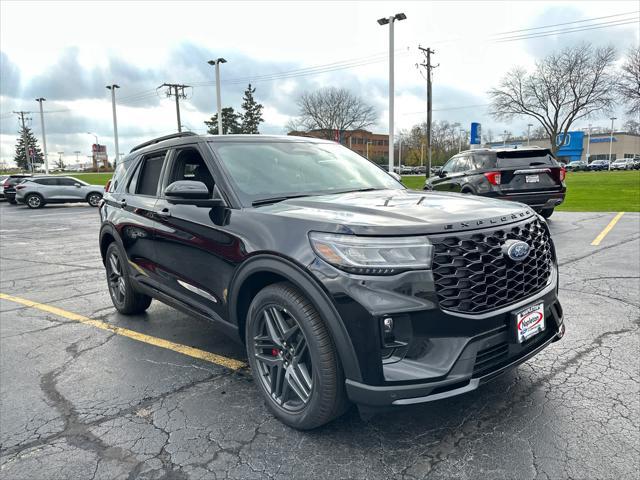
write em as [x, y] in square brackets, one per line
[532, 178]
[530, 321]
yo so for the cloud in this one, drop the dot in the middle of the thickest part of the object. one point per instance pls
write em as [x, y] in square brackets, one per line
[600, 37]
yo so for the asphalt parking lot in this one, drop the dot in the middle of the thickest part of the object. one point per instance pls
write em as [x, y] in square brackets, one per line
[83, 401]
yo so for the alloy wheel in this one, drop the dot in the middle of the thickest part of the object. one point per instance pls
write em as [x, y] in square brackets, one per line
[283, 358]
[94, 200]
[117, 285]
[34, 201]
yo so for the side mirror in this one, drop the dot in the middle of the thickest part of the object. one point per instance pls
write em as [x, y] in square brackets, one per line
[442, 174]
[396, 176]
[191, 192]
[77, 185]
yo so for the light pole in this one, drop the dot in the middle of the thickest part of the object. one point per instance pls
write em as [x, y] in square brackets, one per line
[368, 143]
[217, 63]
[504, 140]
[44, 137]
[115, 120]
[588, 142]
[460, 134]
[529, 125]
[422, 155]
[384, 21]
[611, 141]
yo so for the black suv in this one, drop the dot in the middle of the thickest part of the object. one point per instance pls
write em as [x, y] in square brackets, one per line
[343, 285]
[528, 175]
[9, 186]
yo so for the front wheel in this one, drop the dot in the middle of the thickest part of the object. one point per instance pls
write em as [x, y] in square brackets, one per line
[94, 199]
[546, 212]
[123, 296]
[293, 358]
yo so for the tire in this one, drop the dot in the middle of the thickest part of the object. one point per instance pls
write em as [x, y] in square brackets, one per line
[123, 296]
[546, 212]
[33, 200]
[467, 191]
[287, 340]
[94, 199]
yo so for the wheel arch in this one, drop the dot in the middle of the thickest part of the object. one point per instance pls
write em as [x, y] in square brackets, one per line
[263, 270]
[107, 236]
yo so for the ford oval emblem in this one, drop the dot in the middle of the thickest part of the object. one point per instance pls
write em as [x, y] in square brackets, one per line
[516, 250]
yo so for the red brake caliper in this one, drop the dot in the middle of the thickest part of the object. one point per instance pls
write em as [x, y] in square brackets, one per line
[274, 352]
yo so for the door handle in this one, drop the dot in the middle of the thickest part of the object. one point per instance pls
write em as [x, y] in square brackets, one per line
[164, 213]
[123, 203]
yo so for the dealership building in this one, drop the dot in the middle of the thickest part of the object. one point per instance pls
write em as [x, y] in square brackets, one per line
[578, 145]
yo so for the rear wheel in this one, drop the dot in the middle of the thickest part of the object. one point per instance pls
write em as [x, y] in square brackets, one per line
[34, 200]
[546, 212]
[124, 297]
[293, 358]
[94, 199]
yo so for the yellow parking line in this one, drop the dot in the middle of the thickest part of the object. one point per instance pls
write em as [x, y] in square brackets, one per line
[125, 332]
[606, 230]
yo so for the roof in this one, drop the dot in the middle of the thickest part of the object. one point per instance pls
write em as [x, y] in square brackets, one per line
[505, 149]
[187, 137]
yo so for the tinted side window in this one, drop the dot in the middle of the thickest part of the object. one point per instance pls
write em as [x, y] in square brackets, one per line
[66, 182]
[46, 181]
[189, 165]
[149, 176]
[463, 164]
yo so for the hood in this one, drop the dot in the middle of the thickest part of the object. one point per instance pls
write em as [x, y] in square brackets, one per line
[390, 212]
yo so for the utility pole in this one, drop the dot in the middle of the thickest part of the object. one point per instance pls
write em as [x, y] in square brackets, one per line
[422, 155]
[427, 53]
[115, 120]
[176, 90]
[44, 137]
[24, 138]
[77, 152]
[529, 125]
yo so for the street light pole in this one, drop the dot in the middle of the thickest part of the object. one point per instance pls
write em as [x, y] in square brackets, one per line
[529, 125]
[611, 141]
[115, 120]
[44, 137]
[588, 143]
[217, 63]
[384, 21]
[94, 156]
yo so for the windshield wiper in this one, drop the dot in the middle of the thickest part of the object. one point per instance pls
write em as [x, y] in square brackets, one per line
[267, 201]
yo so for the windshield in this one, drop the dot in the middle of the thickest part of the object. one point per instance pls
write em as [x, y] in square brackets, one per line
[263, 170]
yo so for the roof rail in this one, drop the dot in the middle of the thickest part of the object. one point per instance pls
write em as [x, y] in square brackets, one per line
[162, 139]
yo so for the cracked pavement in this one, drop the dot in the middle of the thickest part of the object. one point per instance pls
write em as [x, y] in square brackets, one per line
[79, 402]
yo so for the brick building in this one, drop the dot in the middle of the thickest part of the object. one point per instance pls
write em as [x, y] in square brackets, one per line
[356, 140]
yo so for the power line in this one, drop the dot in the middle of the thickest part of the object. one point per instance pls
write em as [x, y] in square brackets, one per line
[567, 23]
[615, 23]
[176, 90]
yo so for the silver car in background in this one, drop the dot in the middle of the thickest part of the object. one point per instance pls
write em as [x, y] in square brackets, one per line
[38, 191]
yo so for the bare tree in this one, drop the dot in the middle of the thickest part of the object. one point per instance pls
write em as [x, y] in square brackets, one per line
[631, 126]
[564, 87]
[331, 109]
[628, 86]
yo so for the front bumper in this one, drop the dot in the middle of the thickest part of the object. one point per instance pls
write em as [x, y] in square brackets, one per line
[482, 360]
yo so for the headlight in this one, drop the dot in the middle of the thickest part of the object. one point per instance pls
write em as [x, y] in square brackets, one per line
[373, 255]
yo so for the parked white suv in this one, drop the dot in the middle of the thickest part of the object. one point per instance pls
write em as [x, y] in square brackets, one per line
[38, 191]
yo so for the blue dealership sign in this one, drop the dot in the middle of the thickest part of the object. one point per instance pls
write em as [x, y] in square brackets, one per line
[570, 145]
[476, 134]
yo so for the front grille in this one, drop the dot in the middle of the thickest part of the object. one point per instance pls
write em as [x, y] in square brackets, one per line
[472, 275]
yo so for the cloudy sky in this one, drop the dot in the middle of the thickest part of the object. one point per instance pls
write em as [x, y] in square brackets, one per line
[68, 51]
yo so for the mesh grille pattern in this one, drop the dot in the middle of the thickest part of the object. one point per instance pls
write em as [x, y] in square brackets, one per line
[472, 275]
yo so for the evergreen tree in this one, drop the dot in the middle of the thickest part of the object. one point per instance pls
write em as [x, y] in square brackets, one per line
[252, 116]
[32, 142]
[230, 122]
